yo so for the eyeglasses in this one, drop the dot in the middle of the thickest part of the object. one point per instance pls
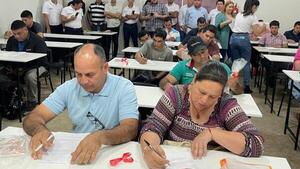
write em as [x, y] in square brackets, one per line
[94, 120]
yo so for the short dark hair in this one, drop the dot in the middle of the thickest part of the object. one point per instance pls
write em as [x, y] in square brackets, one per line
[248, 6]
[201, 20]
[297, 23]
[26, 14]
[220, 1]
[210, 28]
[142, 33]
[213, 71]
[167, 19]
[274, 23]
[76, 2]
[159, 32]
[17, 24]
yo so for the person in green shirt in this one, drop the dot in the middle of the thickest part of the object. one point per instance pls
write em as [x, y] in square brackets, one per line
[223, 22]
[184, 71]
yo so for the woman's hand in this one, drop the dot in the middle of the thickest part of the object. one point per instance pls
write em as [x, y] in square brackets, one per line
[199, 144]
[155, 159]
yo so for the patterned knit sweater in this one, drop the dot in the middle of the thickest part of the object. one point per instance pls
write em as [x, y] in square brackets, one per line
[171, 120]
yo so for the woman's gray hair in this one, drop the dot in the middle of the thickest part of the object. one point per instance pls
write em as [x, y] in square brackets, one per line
[98, 50]
[213, 71]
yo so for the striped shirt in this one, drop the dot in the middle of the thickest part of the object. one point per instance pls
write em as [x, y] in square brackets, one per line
[270, 40]
[171, 120]
[97, 13]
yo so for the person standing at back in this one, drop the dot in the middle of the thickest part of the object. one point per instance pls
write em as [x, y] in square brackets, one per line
[240, 41]
[113, 12]
[95, 15]
[130, 17]
[193, 13]
[71, 16]
[214, 12]
[51, 13]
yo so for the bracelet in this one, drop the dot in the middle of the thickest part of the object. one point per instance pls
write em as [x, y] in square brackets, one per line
[209, 129]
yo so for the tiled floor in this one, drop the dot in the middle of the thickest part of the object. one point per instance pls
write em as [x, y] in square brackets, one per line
[276, 143]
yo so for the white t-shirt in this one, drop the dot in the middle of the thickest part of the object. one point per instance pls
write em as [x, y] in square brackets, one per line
[212, 16]
[53, 11]
[243, 24]
[68, 12]
[128, 11]
[172, 8]
[111, 23]
[181, 15]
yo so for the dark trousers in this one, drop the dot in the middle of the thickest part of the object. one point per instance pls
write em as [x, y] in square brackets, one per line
[57, 29]
[115, 39]
[73, 31]
[130, 31]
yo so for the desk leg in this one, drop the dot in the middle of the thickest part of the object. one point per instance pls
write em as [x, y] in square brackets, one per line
[19, 94]
[288, 108]
[273, 92]
[261, 78]
[38, 84]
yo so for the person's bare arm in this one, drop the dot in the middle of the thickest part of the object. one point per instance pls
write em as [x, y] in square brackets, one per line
[140, 58]
[66, 19]
[87, 149]
[46, 22]
[34, 125]
[167, 81]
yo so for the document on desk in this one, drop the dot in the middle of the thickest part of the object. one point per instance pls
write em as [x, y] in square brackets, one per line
[182, 159]
[64, 145]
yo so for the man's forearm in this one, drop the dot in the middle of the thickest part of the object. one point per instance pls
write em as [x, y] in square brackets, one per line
[119, 134]
[32, 125]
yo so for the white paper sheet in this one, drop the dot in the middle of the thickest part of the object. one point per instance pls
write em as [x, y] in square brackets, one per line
[183, 159]
[64, 145]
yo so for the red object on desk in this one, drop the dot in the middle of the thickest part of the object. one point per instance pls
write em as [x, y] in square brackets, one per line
[125, 158]
[124, 60]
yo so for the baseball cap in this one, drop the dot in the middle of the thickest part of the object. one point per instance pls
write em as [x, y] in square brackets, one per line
[195, 45]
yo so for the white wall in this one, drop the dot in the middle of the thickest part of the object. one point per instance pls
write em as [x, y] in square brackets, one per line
[285, 11]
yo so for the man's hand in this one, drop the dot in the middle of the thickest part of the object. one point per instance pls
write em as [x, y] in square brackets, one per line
[199, 144]
[87, 149]
[38, 139]
[142, 60]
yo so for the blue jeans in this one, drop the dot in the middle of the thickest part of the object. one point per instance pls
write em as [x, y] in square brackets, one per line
[130, 31]
[241, 48]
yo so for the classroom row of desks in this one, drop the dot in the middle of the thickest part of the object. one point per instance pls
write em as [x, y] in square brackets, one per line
[178, 156]
[291, 45]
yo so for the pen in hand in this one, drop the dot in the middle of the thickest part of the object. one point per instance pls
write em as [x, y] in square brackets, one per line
[152, 148]
[41, 145]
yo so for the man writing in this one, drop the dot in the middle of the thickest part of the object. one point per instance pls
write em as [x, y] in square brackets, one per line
[97, 102]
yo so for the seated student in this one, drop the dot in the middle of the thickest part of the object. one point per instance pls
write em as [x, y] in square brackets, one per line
[97, 102]
[201, 114]
[172, 34]
[201, 23]
[27, 41]
[32, 26]
[153, 49]
[273, 38]
[185, 71]
[293, 36]
[296, 67]
[207, 34]
[143, 37]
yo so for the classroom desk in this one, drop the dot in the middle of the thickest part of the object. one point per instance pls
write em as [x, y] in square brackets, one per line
[148, 97]
[136, 49]
[274, 59]
[52, 44]
[291, 45]
[288, 51]
[69, 36]
[151, 65]
[212, 159]
[172, 44]
[294, 76]
[102, 33]
[19, 58]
